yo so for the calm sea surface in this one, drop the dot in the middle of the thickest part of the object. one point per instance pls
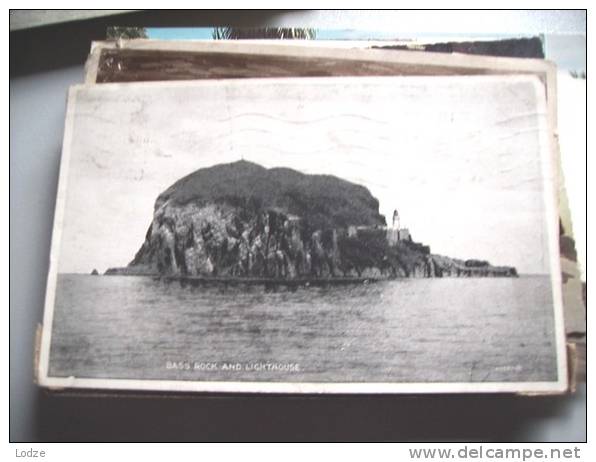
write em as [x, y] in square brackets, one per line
[449, 330]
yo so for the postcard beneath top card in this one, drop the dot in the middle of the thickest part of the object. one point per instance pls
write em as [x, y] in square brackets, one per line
[350, 234]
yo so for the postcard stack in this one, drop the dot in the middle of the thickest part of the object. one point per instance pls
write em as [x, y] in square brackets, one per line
[251, 216]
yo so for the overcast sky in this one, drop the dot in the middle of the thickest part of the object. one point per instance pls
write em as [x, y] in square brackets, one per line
[459, 157]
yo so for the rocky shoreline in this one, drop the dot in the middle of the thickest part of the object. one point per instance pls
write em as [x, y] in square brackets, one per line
[241, 220]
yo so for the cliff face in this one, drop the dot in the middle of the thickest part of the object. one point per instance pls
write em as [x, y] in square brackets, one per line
[242, 220]
[223, 240]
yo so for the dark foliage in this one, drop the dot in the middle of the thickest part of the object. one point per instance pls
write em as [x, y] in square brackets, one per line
[323, 201]
[235, 33]
[117, 32]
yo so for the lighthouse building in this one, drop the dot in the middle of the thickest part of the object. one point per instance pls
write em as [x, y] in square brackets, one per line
[396, 233]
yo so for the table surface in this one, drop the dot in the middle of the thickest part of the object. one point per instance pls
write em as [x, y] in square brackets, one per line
[37, 109]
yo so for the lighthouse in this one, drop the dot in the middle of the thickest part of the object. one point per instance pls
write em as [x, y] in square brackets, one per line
[396, 219]
[396, 233]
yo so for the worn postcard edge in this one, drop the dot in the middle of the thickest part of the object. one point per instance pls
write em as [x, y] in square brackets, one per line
[550, 181]
[329, 50]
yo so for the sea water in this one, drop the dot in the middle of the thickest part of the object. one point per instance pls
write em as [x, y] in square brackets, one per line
[409, 330]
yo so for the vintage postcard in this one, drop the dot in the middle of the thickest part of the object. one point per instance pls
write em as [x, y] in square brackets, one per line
[307, 235]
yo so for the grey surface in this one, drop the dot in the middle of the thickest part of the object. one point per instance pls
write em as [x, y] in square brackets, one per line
[24, 19]
[37, 107]
[459, 22]
[37, 104]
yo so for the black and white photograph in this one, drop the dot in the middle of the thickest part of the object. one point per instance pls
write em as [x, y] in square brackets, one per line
[307, 235]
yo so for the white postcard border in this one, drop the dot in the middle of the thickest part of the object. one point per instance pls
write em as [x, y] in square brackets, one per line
[549, 173]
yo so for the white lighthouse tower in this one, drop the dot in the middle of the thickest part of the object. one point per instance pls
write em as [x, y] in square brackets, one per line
[395, 220]
[396, 232]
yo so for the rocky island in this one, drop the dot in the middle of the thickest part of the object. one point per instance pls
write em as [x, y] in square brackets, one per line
[242, 220]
